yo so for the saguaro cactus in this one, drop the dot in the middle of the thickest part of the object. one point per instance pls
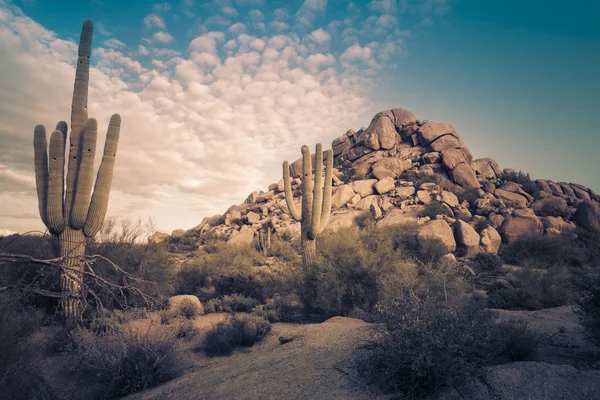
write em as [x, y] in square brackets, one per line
[264, 240]
[70, 215]
[316, 199]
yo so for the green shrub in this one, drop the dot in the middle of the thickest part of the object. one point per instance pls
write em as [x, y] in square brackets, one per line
[185, 329]
[543, 251]
[425, 345]
[470, 195]
[233, 303]
[119, 363]
[187, 309]
[278, 309]
[529, 289]
[588, 305]
[435, 208]
[487, 262]
[365, 220]
[239, 330]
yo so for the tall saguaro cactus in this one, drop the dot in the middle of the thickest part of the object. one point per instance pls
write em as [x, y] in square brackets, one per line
[71, 215]
[316, 199]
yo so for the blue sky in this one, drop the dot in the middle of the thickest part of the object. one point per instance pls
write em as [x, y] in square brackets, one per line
[215, 94]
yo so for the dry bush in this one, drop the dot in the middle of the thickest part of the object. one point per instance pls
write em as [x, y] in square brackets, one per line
[123, 361]
[231, 303]
[487, 262]
[424, 345]
[544, 251]
[239, 330]
[435, 208]
[588, 305]
[365, 220]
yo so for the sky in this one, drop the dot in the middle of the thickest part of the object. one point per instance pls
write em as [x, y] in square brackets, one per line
[214, 95]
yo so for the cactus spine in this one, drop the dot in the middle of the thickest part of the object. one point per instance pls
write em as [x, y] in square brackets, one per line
[70, 215]
[316, 199]
[264, 240]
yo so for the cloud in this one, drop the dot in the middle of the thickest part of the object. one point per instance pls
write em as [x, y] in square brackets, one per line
[199, 132]
[152, 21]
[163, 37]
[161, 7]
[114, 43]
[309, 11]
[382, 6]
[320, 36]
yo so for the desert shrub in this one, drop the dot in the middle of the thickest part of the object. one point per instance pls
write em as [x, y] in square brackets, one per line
[229, 270]
[365, 220]
[278, 309]
[529, 289]
[20, 377]
[425, 345]
[239, 330]
[285, 249]
[539, 251]
[588, 305]
[517, 177]
[481, 224]
[118, 363]
[470, 195]
[487, 262]
[232, 303]
[185, 329]
[435, 208]
[187, 309]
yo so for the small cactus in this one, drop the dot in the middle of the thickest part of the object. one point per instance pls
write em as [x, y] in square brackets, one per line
[264, 240]
[75, 214]
[316, 199]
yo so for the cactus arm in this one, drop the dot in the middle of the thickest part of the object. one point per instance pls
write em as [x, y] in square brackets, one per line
[317, 191]
[99, 203]
[78, 111]
[40, 152]
[56, 180]
[307, 187]
[85, 174]
[268, 238]
[289, 197]
[326, 210]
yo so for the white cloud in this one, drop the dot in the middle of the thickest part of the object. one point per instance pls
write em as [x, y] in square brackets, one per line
[229, 11]
[237, 28]
[356, 52]
[310, 10]
[152, 21]
[320, 36]
[143, 50]
[163, 37]
[199, 132]
[256, 15]
[114, 43]
[383, 6]
[161, 7]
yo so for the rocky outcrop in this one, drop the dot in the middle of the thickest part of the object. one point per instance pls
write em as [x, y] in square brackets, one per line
[398, 167]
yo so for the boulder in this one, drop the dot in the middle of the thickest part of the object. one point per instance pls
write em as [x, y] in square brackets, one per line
[566, 189]
[516, 188]
[376, 211]
[366, 202]
[446, 143]
[552, 206]
[521, 223]
[586, 216]
[449, 198]
[490, 240]
[343, 220]
[177, 233]
[340, 144]
[158, 237]
[384, 185]
[342, 196]
[464, 175]
[364, 187]
[514, 199]
[557, 224]
[452, 158]
[580, 193]
[244, 236]
[396, 165]
[402, 118]
[175, 303]
[467, 239]
[431, 131]
[432, 158]
[437, 230]
[487, 168]
[381, 173]
[381, 133]
[253, 217]
[404, 192]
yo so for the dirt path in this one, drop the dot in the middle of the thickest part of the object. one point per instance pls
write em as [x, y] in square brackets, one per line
[315, 365]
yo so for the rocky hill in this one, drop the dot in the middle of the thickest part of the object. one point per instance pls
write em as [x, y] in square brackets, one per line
[401, 170]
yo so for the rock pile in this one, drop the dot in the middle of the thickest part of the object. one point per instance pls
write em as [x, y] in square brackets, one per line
[400, 169]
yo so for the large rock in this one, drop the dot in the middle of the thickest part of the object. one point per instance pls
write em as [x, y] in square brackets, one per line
[158, 237]
[404, 192]
[514, 199]
[521, 223]
[340, 144]
[557, 225]
[253, 217]
[464, 175]
[384, 185]
[487, 168]
[431, 131]
[364, 187]
[396, 165]
[296, 166]
[516, 188]
[437, 230]
[381, 133]
[244, 236]
[366, 202]
[343, 220]
[551, 207]
[381, 173]
[452, 158]
[527, 380]
[490, 240]
[402, 118]
[586, 216]
[342, 196]
[467, 239]
[446, 143]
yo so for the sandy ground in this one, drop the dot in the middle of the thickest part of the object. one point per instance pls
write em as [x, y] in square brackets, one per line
[316, 364]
